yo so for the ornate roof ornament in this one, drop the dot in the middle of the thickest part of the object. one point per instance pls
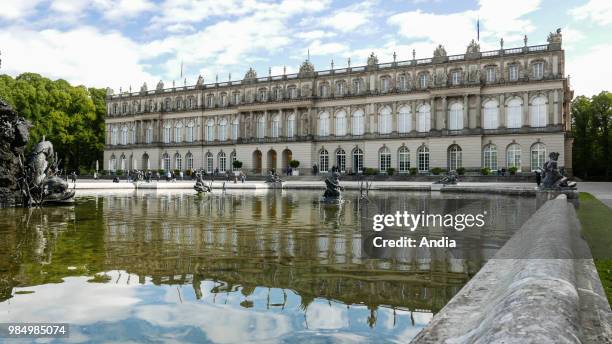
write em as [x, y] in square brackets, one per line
[143, 88]
[440, 51]
[200, 81]
[555, 38]
[109, 92]
[372, 60]
[306, 69]
[160, 86]
[250, 75]
[472, 48]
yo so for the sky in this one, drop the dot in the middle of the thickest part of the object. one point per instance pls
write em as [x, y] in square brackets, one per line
[123, 43]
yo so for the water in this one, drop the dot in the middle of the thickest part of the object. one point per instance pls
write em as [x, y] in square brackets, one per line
[235, 267]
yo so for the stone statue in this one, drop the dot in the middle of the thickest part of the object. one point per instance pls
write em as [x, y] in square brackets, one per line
[160, 86]
[250, 75]
[273, 177]
[449, 179]
[200, 186]
[372, 60]
[143, 88]
[440, 51]
[306, 69]
[473, 47]
[14, 136]
[200, 81]
[555, 38]
[553, 177]
[333, 188]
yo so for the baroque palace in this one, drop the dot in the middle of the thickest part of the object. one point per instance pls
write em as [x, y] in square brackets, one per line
[496, 109]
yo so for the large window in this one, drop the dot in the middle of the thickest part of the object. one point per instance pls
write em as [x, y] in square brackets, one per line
[423, 159]
[404, 120]
[454, 157]
[455, 77]
[538, 112]
[324, 90]
[178, 132]
[538, 156]
[112, 165]
[357, 86]
[291, 125]
[132, 135]
[490, 74]
[178, 161]
[324, 124]
[190, 131]
[166, 162]
[513, 72]
[403, 83]
[124, 136]
[167, 133]
[384, 159]
[384, 120]
[189, 158]
[210, 163]
[114, 133]
[489, 157]
[235, 127]
[357, 160]
[456, 116]
[491, 115]
[340, 88]
[513, 156]
[341, 160]
[210, 130]
[323, 161]
[538, 70]
[222, 162]
[261, 127]
[123, 163]
[223, 129]
[385, 84]
[424, 119]
[358, 123]
[232, 159]
[275, 126]
[423, 80]
[341, 123]
[403, 159]
[515, 116]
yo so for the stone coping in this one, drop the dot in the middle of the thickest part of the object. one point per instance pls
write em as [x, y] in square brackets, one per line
[549, 296]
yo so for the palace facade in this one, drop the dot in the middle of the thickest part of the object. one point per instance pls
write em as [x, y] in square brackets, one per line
[497, 109]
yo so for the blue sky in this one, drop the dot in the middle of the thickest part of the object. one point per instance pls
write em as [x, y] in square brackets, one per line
[123, 43]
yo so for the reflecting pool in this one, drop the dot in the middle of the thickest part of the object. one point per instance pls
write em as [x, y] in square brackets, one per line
[235, 267]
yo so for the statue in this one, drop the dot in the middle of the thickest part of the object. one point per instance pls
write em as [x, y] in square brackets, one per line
[200, 81]
[306, 69]
[449, 179]
[473, 47]
[160, 86]
[250, 75]
[273, 177]
[333, 188]
[553, 177]
[555, 38]
[199, 185]
[14, 136]
[440, 51]
[372, 60]
[143, 88]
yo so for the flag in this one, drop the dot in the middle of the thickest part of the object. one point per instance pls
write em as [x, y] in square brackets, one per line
[478, 30]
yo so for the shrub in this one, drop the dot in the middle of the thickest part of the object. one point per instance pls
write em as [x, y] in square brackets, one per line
[413, 171]
[119, 172]
[294, 163]
[485, 171]
[237, 164]
[461, 171]
[513, 170]
[176, 171]
[104, 172]
[370, 171]
[161, 171]
[390, 171]
[436, 171]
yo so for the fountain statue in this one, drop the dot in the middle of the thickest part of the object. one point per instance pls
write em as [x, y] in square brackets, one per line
[449, 179]
[554, 178]
[200, 186]
[273, 177]
[14, 136]
[333, 188]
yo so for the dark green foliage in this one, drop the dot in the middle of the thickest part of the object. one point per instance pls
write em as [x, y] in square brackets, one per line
[294, 163]
[71, 117]
[413, 171]
[390, 171]
[436, 170]
[370, 171]
[461, 171]
[591, 129]
[512, 170]
[485, 171]
[237, 164]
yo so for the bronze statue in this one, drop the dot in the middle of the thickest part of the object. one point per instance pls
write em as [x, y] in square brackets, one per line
[449, 179]
[333, 188]
[553, 177]
[200, 186]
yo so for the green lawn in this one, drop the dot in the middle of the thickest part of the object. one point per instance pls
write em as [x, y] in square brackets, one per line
[596, 220]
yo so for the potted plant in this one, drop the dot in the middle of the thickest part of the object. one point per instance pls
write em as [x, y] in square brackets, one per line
[461, 171]
[513, 170]
[485, 171]
[237, 164]
[294, 164]
[391, 171]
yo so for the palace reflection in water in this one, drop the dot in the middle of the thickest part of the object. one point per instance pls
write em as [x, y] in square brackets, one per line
[228, 267]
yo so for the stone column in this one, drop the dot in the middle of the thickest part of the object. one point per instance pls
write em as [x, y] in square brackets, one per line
[433, 113]
[526, 121]
[466, 112]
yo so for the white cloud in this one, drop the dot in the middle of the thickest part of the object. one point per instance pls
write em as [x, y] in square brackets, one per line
[317, 48]
[16, 9]
[597, 11]
[349, 18]
[82, 55]
[121, 9]
[316, 34]
[586, 72]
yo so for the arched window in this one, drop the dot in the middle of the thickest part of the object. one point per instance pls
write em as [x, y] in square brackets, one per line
[424, 119]
[149, 134]
[178, 162]
[232, 159]
[261, 127]
[491, 115]
[323, 160]
[384, 120]
[223, 129]
[403, 159]
[513, 156]
[223, 100]
[515, 116]
[538, 156]
[132, 135]
[167, 132]
[166, 162]
[357, 160]
[190, 131]
[179, 103]
[384, 159]
[114, 134]
[210, 163]
[456, 116]
[123, 163]
[146, 164]
[341, 123]
[538, 112]
[112, 165]
[323, 124]
[291, 125]
[341, 160]
[489, 157]
[222, 162]
[454, 157]
[235, 128]
[263, 95]
[404, 120]
[275, 126]
[178, 132]
[358, 123]
[189, 158]
[210, 130]
[423, 158]
[124, 136]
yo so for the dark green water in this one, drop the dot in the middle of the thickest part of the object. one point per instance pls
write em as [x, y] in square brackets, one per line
[270, 267]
